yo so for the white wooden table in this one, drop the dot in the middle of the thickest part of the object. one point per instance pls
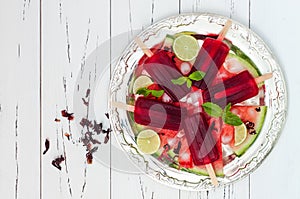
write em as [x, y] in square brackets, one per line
[43, 48]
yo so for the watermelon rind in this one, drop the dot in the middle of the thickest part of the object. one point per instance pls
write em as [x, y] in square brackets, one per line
[242, 148]
[240, 54]
[198, 170]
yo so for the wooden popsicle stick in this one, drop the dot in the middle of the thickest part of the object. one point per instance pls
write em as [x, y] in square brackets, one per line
[143, 46]
[224, 30]
[212, 174]
[209, 167]
[263, 78]
[123, 106]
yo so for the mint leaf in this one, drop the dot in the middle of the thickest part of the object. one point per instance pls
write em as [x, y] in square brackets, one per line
[146, 92]
[197, 75]
[179, 81]
[188, 83]
[143, 91]
[156, 93]
[212, 109]
[227, 108]
[231, 119]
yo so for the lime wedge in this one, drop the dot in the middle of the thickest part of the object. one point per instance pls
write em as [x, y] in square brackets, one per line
[186, 47]
[240, 134]
[141, 82]
[148, 141]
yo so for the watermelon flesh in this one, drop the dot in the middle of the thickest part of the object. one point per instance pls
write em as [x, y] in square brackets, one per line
[253, 117]
[180, 157]
[174, 150]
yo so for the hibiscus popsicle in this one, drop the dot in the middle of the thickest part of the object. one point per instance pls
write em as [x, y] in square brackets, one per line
[233, 90]
[202, 144]
[211, 57]
[157, 114]
[163, 70]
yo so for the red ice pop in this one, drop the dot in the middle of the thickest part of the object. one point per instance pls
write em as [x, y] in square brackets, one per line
[211, 57]
[233, 90]
[202, 144]
[157, 114]
[209, 60]
[163, 70]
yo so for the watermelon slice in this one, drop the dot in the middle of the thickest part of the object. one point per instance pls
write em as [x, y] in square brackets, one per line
[253, 117]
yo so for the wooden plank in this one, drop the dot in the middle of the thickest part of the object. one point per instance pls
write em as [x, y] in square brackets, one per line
[71, 32]
[128, 18]
[19, 100]
[213, 6]
[239, 11]
[278, 176]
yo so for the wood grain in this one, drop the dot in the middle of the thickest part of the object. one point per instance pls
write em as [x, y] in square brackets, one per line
[35, 87]
[19, 99]
[237, 10]
[129, 18]
[278, 175]
[71, 31]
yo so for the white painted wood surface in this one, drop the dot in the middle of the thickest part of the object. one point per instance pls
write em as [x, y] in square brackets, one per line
[36, 85]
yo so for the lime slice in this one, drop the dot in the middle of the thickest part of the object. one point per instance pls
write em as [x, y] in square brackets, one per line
[240, 134]
[184, 33]
[148, 141]
[186, 47]
[141, 82]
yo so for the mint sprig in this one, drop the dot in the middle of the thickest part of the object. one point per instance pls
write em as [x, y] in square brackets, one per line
[146, 92]
[216, 111]
[230, 118]
[195, 76]
[212, 109]
[157, 93]
[179, 81]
